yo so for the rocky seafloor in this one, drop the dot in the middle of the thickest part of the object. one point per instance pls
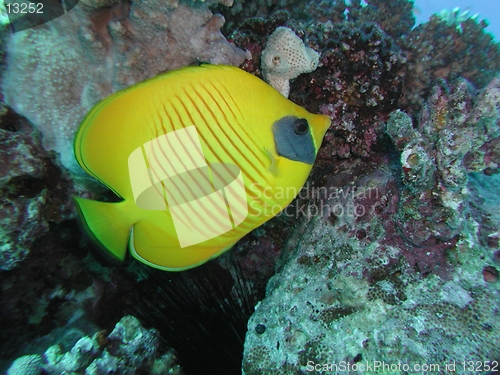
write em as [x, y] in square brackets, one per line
[390, 254]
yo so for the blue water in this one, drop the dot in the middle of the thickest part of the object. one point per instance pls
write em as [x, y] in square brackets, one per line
[487, 9]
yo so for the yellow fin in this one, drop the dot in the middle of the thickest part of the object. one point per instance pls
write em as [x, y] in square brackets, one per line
[107, 223]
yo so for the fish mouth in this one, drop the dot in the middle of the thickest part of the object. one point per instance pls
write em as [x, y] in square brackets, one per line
[319, 124]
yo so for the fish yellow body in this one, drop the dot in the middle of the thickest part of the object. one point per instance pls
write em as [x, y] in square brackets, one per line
[200, 156]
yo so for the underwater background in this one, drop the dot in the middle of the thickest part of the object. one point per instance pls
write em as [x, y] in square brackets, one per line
[388, 259]
[488, 10]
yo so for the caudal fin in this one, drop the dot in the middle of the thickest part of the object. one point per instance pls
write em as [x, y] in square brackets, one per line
[107, 223]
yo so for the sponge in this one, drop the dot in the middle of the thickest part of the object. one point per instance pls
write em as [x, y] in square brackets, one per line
[285, 58]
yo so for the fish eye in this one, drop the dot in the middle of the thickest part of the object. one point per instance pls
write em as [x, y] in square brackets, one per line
[300, 126]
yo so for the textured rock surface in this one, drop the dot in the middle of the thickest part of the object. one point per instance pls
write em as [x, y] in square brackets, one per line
[348, 291]
[58, 71]
[30, 185]
[439, 50]
[127, 350]
[450, 140]
[26, 365]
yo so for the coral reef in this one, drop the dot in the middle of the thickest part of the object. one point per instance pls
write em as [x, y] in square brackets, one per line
[450, 140]
[455, 17]
[348, 291]
[394, 253]
[390, 253]
[286, 57]
[56, 72]
[394, 256]
[30, 185]
[21, 216]
[26, 365]
[360, 81]
[439, 50]
[77, 359]
[59, 293]
[394, 17]
[128, 349]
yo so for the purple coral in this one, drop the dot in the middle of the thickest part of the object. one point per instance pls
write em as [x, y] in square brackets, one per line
[22, 194]
[437, 154]
[357, 83]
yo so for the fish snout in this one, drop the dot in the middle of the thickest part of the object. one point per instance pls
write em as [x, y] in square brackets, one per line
[319, 125]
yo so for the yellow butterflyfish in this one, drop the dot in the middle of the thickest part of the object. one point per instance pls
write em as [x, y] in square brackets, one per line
[199, 156]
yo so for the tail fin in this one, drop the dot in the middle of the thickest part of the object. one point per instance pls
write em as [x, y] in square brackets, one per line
[107, 223]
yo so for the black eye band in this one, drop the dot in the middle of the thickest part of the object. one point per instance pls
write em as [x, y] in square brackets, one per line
[293, 139]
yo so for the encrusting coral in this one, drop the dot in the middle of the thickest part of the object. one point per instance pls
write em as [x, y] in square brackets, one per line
[26, 365]
[456, 16]
[451, 140]
[56, 72]
[22, 196]
[30, 185]
[127, 349]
